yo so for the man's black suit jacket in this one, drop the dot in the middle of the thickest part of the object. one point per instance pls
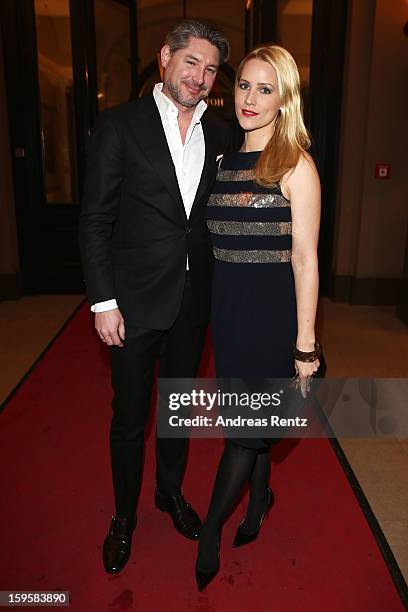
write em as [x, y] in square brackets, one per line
[134, 232]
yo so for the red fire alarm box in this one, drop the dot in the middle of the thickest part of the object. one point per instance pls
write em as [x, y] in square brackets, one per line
[382, 171]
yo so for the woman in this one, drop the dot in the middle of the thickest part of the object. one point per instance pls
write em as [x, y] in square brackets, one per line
[264, 221]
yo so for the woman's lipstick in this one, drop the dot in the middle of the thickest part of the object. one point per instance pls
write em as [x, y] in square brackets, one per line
[248, 113]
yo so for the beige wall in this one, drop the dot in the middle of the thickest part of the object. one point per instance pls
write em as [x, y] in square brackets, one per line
[372, 214]
[9, 266]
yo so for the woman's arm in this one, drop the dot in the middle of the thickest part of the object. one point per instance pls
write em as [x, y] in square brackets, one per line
[303, 188]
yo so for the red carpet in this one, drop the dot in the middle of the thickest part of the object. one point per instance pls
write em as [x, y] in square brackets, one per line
[316, 554]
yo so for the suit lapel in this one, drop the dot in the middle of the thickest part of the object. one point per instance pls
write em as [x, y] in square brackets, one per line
[207, 174]
[156, 149]
[153, 140]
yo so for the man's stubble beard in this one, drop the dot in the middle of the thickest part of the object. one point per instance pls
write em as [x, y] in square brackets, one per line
[174, 91]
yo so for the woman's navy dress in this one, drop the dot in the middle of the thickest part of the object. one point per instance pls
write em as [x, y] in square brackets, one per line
[254, 321]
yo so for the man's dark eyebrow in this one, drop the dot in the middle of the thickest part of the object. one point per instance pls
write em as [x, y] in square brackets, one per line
[196, 59]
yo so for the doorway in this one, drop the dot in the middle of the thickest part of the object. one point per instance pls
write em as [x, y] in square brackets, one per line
[65, 61]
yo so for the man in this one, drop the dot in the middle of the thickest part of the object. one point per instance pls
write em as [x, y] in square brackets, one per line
[146, 256]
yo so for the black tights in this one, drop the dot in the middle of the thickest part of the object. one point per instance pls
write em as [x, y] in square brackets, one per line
[258, 484]
[238, 466]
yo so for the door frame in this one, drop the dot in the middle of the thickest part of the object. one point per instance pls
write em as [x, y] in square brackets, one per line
[327, 57]
[47, 233]
[329, 28]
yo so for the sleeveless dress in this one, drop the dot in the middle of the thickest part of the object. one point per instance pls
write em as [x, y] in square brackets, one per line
[253, 318]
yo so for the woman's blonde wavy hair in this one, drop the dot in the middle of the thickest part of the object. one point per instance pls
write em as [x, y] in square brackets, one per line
[290, 138]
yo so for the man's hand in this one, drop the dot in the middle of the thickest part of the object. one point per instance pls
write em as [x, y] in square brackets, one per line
[110, 327]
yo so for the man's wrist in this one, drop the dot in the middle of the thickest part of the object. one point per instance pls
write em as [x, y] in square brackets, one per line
[104, 306]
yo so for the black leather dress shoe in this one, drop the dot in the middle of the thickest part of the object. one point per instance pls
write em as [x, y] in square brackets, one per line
[185, 519]
[117, 544]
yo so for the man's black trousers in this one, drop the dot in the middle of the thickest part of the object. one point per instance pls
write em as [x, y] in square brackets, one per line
[133, 366]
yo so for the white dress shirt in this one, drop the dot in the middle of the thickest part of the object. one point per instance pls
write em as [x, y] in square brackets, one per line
[188, 158]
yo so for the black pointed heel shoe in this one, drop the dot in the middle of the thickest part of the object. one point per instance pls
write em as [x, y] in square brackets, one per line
[242, 538]
[204, 577]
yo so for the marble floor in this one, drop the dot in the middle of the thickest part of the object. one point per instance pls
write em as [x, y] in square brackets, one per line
[26, 327]
[368, 341]
[359, 341]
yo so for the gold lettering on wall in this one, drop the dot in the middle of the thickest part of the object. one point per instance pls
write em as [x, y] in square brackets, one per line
[219, 102]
